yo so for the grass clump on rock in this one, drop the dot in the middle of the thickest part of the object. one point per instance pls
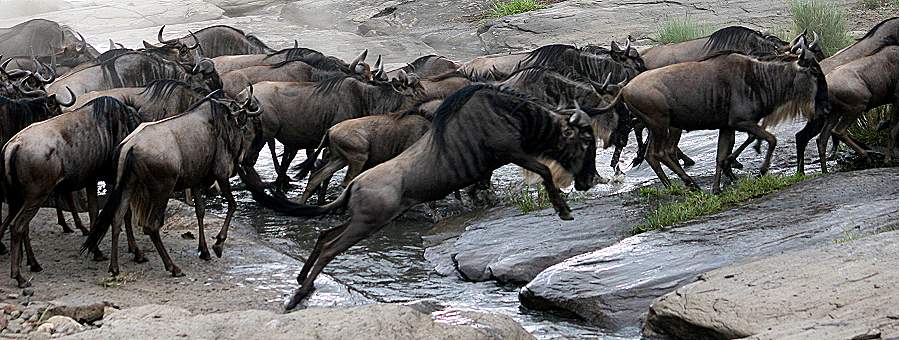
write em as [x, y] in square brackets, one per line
[512, 7]
[675, 30]
[528, 200]
[867, 129]
[683, 205]
[823, 17]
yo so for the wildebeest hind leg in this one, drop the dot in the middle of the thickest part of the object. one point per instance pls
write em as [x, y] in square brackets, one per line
[319, 176]
[200, 209]
[133, 248]
[317, 249]
[219, 245]
[60, 216]
[92, 207]
[166, 260]
[652, 157]
[19, 235]
[531, 164]
[70, 201]
[33, 265]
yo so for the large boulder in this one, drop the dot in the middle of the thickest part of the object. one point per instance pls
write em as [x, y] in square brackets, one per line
[848, 290]
[615, 285]
[515, 246]
[382, 321]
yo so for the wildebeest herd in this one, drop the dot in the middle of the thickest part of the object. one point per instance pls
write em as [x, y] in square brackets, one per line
[188, 113]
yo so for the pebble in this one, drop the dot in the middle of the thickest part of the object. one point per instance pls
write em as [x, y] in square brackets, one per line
[28, 291]
[15, 314]
[12, 296]
[8, 308]
[14, 326]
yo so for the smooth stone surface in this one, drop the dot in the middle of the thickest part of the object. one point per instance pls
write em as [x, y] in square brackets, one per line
[839, 291]
[615, 285]
[383, 321]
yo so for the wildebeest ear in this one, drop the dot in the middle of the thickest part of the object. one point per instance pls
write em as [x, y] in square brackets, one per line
[148, 45]
[614, 47]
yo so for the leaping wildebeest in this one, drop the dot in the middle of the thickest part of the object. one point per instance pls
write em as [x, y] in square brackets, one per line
[193, 150]
[476, 130]
[727, 92]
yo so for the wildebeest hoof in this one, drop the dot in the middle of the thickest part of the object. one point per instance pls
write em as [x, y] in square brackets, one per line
[735, 164]
[176, 272]
[22, 283]
[689, 162]
[218, 248]
[113, 272]
[139, 258]
[85, 232]
[98, 256]
[35, 268]
[204, 255]
[565, 215]
[294, 301]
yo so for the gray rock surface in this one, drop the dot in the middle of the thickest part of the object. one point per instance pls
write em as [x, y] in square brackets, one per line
[383, 321]
[517, 246]
[615, 285]
[586, 21]
[839, 291]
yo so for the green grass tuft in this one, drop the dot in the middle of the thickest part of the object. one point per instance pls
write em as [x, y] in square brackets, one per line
[675, 30]
[866, 128]
[528, 199]
[824, 17]
[687, 205]
[512, 7]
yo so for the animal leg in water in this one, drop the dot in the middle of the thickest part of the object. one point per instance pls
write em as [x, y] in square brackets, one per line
[725, 145]
[282, 181]
[317, 249]
[757, 131]
[200, 209]
[70, 201]
[319, 176]
[225, 186]
[60, 216]
[555, 195]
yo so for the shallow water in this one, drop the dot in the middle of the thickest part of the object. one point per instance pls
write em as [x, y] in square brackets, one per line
[390, 266]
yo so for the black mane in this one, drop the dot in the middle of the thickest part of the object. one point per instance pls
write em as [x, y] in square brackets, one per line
[454, 103]
[876, 27]
[740, 38]
[110, 113]
[547, 54]
[163, 88]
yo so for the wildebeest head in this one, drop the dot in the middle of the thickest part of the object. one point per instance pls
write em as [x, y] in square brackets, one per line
[575, 150]
[358, 67]
[245, 112]
[174, 49]
[202, 71]
[628, 55]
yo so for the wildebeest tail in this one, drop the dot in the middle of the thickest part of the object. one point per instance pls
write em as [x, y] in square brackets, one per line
[113, 203]
[278, 202]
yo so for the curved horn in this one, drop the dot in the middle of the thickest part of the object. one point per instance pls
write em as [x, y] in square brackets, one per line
[815, 39]
[798, 45]
[37, 74]
[359, 59]
[159, 36]
[614, 46]
[27, 93]
[71, 99]
[605, 84]
[111, 44]
[196, 41]
[3, 66]
[83, 43]
[249, 94]
[403, 77]
[579, 118]
[378, 64]
[627, 47]
[120, 46]
[296, 43]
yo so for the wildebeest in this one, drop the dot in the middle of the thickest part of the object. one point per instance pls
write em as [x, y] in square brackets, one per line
[43, 38]
[476, 130]
[856, 87]
[426, 67]
[136, 69]
[728, 92]
[364, 142]
[289, 71]
[591, 63]
[192, 150]
[733, 38]
[317, 60]
[299, 114]
[214, 41]
[159, 99]
[495, 67]
[67, 153]
[885, 33]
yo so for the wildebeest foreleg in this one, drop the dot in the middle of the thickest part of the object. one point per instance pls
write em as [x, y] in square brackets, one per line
[757, 131]
[60, 216]
[225, 186]
[323, 237]
[823, 138]
[555, 195]
[282, 181]
[725, 145]
[200, 209]
[70, 201]
[274, 151]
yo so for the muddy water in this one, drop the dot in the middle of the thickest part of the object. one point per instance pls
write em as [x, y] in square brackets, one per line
[390, 267]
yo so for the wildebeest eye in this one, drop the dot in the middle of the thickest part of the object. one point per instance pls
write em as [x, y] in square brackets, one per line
[568, 133]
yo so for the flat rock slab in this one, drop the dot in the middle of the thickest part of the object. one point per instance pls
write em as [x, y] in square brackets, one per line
[383, 321]
[514, 247]
[615, 285]
[839, 291]
[250, 275]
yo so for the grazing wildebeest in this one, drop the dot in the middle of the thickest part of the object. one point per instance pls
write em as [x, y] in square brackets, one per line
[426, 67]
[66, 153]
[728, 92]
[885, 33]
[364, 142]
[733, 38]
[856, 87]
[299, 114]
[192, 150]
[476, 130]
[136, 69]
[214, 41]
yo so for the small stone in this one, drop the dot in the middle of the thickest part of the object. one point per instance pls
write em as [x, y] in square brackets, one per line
[14, 326]
[28, 291]
[8, 307]
[15, 314]
[65, 324]
[12, 296]
[82, 313]
[46, 327]
[27, 314]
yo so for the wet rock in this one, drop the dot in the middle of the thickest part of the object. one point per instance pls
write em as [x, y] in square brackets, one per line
[615, 285]
[19, 8]
[585, 21]
[515, 246]
[383, 321]
[63, 324]
[83, 313]
[838, 291]
[237, 7]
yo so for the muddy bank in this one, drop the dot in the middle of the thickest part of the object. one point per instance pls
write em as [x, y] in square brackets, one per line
[846, 290]
[250, 275]
[615, 286]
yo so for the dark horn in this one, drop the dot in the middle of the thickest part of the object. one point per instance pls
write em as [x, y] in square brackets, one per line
[815, 40]
[627, 47]
[159, 35]
[83, 43]
[27, 93]
[196, 41]
[71, 99]
[359, 59]
[296, 43]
